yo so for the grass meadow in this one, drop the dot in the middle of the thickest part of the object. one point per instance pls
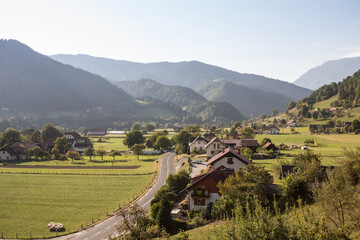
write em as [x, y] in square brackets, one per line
[30, 201]
[330, 147]
[31, 197]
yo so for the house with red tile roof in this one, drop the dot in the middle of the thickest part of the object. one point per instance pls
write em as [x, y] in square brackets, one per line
[203, 188]
[229, 159]
[214, 147]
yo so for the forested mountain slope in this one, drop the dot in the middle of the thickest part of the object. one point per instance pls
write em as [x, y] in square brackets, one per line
[33, 82]
[248, 100]
[184, 97]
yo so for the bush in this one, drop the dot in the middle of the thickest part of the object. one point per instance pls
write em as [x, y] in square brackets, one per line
[193, 213]
[197, 222]
[309, 141]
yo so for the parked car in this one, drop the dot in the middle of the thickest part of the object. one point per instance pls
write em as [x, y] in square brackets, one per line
[197, 161]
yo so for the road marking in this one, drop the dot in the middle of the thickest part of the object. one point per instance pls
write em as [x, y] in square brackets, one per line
[97, 233]
[108, 227]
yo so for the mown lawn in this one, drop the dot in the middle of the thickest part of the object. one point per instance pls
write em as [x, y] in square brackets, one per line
[30, 202]
[145, 165]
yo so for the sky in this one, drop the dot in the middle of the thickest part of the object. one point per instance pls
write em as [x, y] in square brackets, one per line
[280, 39]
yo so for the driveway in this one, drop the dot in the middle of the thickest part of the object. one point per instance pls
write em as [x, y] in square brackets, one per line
[196, 168]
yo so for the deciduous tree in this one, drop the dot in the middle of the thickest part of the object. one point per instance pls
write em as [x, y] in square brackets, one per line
[50, 131]
[62, 145]
[10, 136]
[133, 137]
[138, 149]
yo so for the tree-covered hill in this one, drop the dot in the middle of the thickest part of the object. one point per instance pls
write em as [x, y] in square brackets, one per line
[348, 92]
[183, 97]
[248, 100]
[32, 82]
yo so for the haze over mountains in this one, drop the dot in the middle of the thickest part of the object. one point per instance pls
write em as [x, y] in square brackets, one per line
[184, 97]
[328, 72]
[195, 75]
[36, 85]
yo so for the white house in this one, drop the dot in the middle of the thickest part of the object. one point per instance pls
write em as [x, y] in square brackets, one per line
[229, 159]
[272, 129]
[203, 188]
[291, 123]
[9, 153]
[214, 147]
[198, 143]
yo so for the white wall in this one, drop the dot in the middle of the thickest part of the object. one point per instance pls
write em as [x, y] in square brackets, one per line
[5, 156]
[199, 145]
[212, 198]
[214, 147]
[236, 165]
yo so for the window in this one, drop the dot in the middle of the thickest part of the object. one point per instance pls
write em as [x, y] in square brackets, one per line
[230, 161]
[212, 152]
[200, 202]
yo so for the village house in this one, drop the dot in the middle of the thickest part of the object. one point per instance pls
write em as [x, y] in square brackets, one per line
[214, 147]
[197, 144]
[96, 132]
[19, 150]
[209, 136]
[270, 146]
[233, 143]
[291, 123]
[8, 153]
[203, 188]
[271, 129]
[249, 143]
[229, 159]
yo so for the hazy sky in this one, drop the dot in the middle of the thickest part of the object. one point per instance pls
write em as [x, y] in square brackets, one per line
[278, 39]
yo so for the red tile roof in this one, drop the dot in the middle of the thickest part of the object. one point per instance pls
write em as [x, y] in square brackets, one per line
[267, 144]
[231, 152]
[219, 174]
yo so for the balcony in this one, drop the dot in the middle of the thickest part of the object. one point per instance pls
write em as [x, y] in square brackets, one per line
[200, 194]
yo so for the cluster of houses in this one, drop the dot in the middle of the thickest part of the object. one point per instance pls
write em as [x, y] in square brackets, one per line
[19, 150]
[223, 159]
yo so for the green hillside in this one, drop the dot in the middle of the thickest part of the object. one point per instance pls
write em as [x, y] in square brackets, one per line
[192, 102]
[247, 100]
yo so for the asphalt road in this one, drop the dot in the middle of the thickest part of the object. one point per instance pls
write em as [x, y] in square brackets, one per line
[107, 227]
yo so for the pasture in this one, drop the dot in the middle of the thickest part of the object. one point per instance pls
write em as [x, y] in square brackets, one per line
[330, 147]
[30, 201]
[42, 191]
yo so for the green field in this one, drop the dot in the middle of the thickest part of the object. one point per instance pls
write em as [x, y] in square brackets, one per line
[32, 197]
[29, 202]
[330, 147]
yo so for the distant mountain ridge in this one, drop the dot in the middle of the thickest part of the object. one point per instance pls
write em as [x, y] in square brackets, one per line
[184, 97]
[38, 87]
[191, 74]
[248, 100]
[328, 72]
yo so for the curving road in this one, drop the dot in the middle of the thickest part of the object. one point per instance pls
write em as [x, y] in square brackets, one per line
[107, 227]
